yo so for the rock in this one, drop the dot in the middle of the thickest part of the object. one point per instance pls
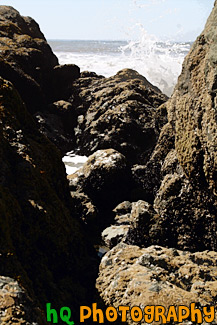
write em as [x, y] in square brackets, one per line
[63, 77]
[60, 107]
[52, 126]
[117, 112]
[184, 211]
[41, 241]
[142, 214]
[170, 188]
[131, 227]
[25, 24]
[104, 178]
[65, 112]
[130, 74]
[25, 59]
[114, 234]
[131, 276]
[191, 114]
[179, 179]
[84, 208]
[191, 110]
[56, 123]
[132, 224]
[147, 178]
[122, 213]
[123, 208]
[16, 306]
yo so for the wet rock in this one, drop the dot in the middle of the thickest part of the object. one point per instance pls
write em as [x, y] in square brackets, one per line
[105, 178]
[131, 276]
[118, 112]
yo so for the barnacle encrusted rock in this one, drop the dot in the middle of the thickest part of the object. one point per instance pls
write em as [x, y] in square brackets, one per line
[180, 178]
[118, 112]
[131, 276]
[192, 109]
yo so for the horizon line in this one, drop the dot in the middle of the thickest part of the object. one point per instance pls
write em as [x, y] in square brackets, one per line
[114, 40]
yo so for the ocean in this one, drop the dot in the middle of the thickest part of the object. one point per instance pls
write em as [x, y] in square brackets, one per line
[160, 62]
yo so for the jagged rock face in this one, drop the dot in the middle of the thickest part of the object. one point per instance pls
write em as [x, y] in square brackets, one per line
[180, 176]
[117, 112]
[26, 59]
[131, 276]
[192, 115]
[41, 242]
[104, 181]
[56, 124]
[132, 224]
[192, 109]
[148, 177]
[28, 62]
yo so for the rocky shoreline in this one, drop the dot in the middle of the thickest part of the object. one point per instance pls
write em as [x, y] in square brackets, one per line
[146, 192]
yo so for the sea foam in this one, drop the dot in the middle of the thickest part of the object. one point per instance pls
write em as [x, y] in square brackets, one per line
[160, 62]
[73, 162]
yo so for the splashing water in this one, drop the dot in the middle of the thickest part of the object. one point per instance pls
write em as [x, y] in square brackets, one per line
[159, 61]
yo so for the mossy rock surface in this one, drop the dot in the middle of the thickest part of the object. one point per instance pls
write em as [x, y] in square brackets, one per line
[41, 243]
[26, 59]
[192, 109]
[180, 178]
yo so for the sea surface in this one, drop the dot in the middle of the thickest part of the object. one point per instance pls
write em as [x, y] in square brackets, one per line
[160, 62]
